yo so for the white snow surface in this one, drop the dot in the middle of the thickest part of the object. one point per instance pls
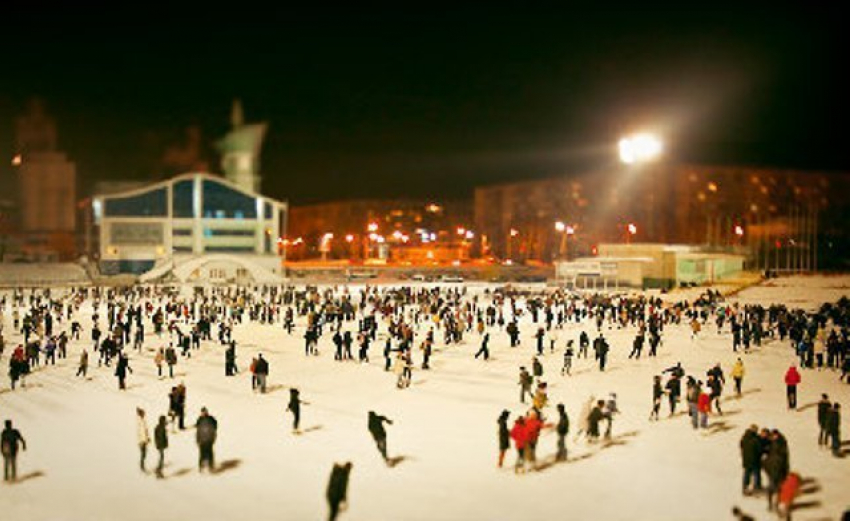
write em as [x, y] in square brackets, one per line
[82, 457]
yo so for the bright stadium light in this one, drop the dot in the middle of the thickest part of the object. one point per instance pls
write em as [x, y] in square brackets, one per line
[639, 148]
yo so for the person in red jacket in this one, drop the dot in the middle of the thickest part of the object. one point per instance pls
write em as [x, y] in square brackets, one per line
[519, 434]
[533, 425]
[703, 408]
[787, 492]
[792, 379]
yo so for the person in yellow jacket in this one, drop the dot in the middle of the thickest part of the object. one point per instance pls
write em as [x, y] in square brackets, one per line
[738, 375]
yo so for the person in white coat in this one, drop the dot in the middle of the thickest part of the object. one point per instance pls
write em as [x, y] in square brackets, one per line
[143, 435]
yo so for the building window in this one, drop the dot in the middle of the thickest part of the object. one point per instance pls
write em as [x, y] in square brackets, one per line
[181, 232]
[182, 199]
[148, 204]
[226, 202]
[213, 232]
[230, 249]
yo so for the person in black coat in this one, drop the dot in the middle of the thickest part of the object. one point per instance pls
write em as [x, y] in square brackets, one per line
[206, 431]
[563, 428]
[504, 436]
[376, 428]
[751, 451]
[338, 488]
[160, 440]
[121, 369]
[484, 349]
[833, 426]
[230, 360]
[824, 409]
[9, 440]
[295, 406]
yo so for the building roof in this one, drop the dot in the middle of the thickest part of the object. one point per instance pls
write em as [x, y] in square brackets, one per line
[184, 177]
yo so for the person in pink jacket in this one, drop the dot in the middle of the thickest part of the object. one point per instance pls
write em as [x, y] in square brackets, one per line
[792, 379]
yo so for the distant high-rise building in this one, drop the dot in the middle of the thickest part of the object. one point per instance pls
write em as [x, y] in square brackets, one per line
[240, 151]
[46, 182]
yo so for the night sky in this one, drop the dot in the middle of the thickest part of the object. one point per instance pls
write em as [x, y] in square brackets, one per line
[364, 104]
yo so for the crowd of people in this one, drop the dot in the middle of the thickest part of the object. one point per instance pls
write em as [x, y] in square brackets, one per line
[409, 322]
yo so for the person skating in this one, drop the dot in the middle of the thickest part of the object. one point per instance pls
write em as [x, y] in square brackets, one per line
[833, 426]
[738, 375]
[171, 360]
[775, 465]
[533, 426]
[519, 434]
[504, 436]
[751, 453]
[568, 361]
[536, 368]
[295, 407]
[657, 393]
[121, 369]
[379, 434]
[703, 409]
[84, 364]
[484, 349]
[160, 440]
[525, 381]
[10, 440]
[206, 431]
[230, 360]
[824, 410]
[261, 369]
[562, 429]
[143, 436]
[337, 493]
[596, 415]
[792, 380]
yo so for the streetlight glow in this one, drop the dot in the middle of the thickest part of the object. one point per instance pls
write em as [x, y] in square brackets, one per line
[560, 226]
[639, 148]
[632, 228]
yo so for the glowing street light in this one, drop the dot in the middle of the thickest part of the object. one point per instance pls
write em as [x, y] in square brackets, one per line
[349, 238]
[632, 229]
[17, 160]
[639, 148]
[514, 232]
[373, 227]
[560, 226]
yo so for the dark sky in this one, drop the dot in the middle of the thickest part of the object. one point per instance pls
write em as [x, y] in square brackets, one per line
[431, 103]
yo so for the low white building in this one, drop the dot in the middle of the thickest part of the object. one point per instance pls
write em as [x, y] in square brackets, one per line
[648, 266]
[225, 231]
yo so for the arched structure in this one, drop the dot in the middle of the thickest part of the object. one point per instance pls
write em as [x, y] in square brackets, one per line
[216, 268]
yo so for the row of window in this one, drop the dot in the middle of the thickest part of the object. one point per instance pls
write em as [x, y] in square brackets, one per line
[219, 202]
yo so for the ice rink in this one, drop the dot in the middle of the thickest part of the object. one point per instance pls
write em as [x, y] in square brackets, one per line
[82, 457]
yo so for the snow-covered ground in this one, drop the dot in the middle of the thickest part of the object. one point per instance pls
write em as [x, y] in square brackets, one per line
[82, 458]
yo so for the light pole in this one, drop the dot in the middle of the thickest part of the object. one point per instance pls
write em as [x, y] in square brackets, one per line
[565, 231]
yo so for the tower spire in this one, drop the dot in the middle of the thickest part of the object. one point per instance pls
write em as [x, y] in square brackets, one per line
[237, 118]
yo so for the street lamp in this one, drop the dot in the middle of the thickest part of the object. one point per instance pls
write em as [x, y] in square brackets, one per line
[639, 148]
[566, 230]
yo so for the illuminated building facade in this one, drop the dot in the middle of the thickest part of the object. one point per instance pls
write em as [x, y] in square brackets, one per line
[777, 216]
[187, 216]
